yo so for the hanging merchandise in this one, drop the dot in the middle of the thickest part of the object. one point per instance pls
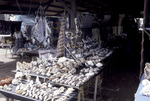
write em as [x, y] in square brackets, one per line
[41, 33]
[60, 45]
[73, 36]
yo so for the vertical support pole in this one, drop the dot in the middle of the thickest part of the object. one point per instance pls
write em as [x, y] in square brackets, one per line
[95, 90]
[73, 8]
[82, 93]
[79, 96]
[142, 42]
[12, 99]
[142, 53]
[7, 99]
[100, 83]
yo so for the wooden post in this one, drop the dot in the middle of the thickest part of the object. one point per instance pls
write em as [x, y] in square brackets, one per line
[71, 11]
[73, 8]
[142, 43]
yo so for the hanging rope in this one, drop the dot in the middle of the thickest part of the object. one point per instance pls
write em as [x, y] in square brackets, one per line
[60, 44]
[40, 11]
[30, 7]
[142, 44]
[18, 6]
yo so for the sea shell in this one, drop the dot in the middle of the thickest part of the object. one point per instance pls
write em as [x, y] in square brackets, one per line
[30, 93]
[18, 66]
[38, 80]
[19, 75]
[45, 98]
[15, 81]
[62, 59]
[24, 93]
[27, 93]
[99, 64]
[36, 97]
[18, 87]
[49, 85]
[90, 63]
[40, 97]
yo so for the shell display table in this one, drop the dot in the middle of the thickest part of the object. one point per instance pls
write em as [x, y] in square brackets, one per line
[138, 96]
[13, 95]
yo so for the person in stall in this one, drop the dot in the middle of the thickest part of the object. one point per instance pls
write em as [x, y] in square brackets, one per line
[18, 40]
[96, 29]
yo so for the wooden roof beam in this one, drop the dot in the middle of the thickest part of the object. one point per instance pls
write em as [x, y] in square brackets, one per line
[48, 4]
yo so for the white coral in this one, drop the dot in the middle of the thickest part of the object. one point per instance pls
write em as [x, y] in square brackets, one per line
[146, 88]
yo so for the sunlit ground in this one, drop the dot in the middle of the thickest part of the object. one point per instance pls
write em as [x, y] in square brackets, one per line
[6, 56]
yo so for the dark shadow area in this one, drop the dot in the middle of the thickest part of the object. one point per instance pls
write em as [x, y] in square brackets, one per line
[121, 75]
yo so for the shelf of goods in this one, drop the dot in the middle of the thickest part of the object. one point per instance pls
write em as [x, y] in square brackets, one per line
[64, 75]
[33, 91]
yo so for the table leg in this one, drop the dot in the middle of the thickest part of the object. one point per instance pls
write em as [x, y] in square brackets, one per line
[100, 83]
[12, 99]
[82, 92]
[6, 52]
[7, 99]
[95, 90]
[79, 96]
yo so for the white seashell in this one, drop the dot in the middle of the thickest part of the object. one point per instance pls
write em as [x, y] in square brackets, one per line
[1, 87]
[145, 82]
[45, 93]
[25, 88]
[49, 85]
[30, 93]
[36, 97]
[99, 64]
[19, 75]
[37, 72]
[18, 87]
[34, 88]
[145, 90]
[33, 94]
[61, 89]
[50, 97]
[18, 66]
[27, 93]
[8, 88]
[62, 59]
[90, 63]
[42, 92]
[15, 81]
[89, 74]
[24, 93]
[45, 98]
[38, 80]
[40, 97]
[43, 73]
[31, 82]
[48, 74]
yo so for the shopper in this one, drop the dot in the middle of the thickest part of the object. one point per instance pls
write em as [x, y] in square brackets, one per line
[18, 40]
[96, 29]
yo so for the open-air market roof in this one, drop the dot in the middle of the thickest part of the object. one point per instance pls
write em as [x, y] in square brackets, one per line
[56, 7]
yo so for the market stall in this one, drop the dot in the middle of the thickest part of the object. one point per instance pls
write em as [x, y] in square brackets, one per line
[142, 92]
[73, 71]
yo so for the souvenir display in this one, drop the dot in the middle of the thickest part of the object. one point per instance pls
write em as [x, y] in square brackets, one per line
[57, 78]
[44, 91]
[145, 82]
[5, 83]
[5, 80]
[41, 32]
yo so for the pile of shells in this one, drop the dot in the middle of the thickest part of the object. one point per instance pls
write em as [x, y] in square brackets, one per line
[44, 91]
